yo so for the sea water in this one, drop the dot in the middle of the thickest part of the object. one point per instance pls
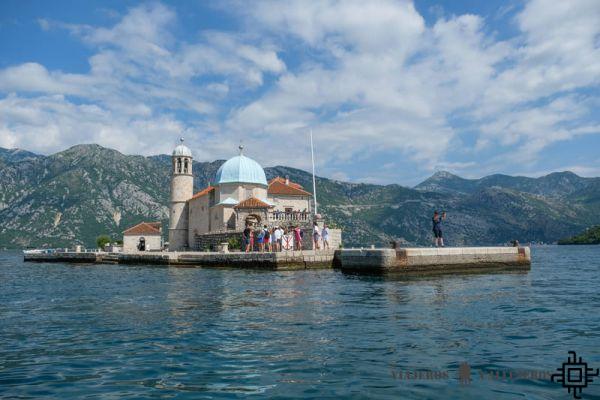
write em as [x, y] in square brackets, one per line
[113, 331]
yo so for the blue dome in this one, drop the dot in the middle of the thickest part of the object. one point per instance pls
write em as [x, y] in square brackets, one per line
[241, 169]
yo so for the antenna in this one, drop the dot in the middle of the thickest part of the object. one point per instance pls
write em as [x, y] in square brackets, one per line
[312, 156]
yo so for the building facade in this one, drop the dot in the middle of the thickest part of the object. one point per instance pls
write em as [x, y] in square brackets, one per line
[145, 236]
[239, 196]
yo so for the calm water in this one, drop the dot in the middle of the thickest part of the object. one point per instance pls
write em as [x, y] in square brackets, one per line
[144, 332]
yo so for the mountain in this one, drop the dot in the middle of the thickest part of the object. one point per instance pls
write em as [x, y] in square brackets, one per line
[556, 184]
[445, 182]
[12, 155]
[590, 236]
[75, 195]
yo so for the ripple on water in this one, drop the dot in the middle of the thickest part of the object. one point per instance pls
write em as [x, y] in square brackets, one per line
[137, 332]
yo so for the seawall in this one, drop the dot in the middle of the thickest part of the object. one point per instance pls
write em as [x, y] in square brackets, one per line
[404, 260]
[435, 260]
[288, 260]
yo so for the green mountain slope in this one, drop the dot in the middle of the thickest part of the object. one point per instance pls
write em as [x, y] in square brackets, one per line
[73, 196]
[590, 236]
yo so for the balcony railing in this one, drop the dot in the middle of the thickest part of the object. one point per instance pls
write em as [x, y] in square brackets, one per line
[301, 216]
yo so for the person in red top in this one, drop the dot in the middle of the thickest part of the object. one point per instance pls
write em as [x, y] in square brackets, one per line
[297, 238]
[267, 239]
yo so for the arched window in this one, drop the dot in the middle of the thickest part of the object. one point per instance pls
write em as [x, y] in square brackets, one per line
[185, 166]
[179, 165]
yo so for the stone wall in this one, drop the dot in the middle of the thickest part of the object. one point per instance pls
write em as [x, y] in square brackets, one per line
[199, 217]
[335, 238]
[242, 214]
[211, 241]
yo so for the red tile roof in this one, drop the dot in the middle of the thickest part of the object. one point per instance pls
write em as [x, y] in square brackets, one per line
[278, 186]
[282, 180]
[202, 193]
[252, 202]
[144, 228]
[156, 225]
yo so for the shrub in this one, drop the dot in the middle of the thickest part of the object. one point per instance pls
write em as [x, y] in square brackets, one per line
[102, 241]
[234, 243]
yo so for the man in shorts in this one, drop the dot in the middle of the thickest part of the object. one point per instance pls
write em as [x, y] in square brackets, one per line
[437, 228]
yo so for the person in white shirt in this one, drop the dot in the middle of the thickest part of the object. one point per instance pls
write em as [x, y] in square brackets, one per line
[278, 234]
[316, 236]
[325, 235]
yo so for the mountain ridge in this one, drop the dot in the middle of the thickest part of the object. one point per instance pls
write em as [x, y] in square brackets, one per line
[86, 190]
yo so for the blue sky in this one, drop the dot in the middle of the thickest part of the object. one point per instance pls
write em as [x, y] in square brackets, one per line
[392, 90]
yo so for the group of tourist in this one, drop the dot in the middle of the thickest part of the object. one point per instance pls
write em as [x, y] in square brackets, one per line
[277, 238]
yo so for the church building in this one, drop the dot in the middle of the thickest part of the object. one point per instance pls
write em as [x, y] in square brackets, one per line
[239, 196]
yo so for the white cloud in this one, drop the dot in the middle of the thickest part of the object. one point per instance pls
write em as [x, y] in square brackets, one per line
[139, 78]
[368, 77]
[400, 88]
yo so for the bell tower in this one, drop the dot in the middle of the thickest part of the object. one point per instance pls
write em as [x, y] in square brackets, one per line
[182, 189]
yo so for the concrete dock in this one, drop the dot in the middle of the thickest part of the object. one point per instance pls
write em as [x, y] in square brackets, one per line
[370, 261]
[435, 260]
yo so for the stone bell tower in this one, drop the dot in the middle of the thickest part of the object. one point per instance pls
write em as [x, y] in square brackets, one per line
[182, 189]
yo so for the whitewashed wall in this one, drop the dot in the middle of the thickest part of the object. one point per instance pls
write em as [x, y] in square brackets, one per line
[130, 242]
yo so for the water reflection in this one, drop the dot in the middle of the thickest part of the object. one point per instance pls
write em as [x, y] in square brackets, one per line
[144, 332]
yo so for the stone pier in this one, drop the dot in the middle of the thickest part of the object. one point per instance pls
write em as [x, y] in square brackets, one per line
[369, 261]
[435, 260]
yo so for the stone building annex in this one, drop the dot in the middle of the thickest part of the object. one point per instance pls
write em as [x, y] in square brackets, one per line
[239, 196]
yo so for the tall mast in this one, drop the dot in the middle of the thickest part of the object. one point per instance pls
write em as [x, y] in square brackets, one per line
[312, 156]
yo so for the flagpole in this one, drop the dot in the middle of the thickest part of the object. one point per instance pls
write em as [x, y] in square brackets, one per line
[312, 156]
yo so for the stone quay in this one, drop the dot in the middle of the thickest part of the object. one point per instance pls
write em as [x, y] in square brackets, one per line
[367, 261]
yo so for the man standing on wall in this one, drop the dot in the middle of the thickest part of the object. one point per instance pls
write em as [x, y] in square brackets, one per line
[437, 228]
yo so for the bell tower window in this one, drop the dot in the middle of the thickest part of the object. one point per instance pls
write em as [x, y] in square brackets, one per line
[185, 166]
[179, 165]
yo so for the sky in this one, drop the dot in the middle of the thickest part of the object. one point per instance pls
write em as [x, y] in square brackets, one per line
[392, 90]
